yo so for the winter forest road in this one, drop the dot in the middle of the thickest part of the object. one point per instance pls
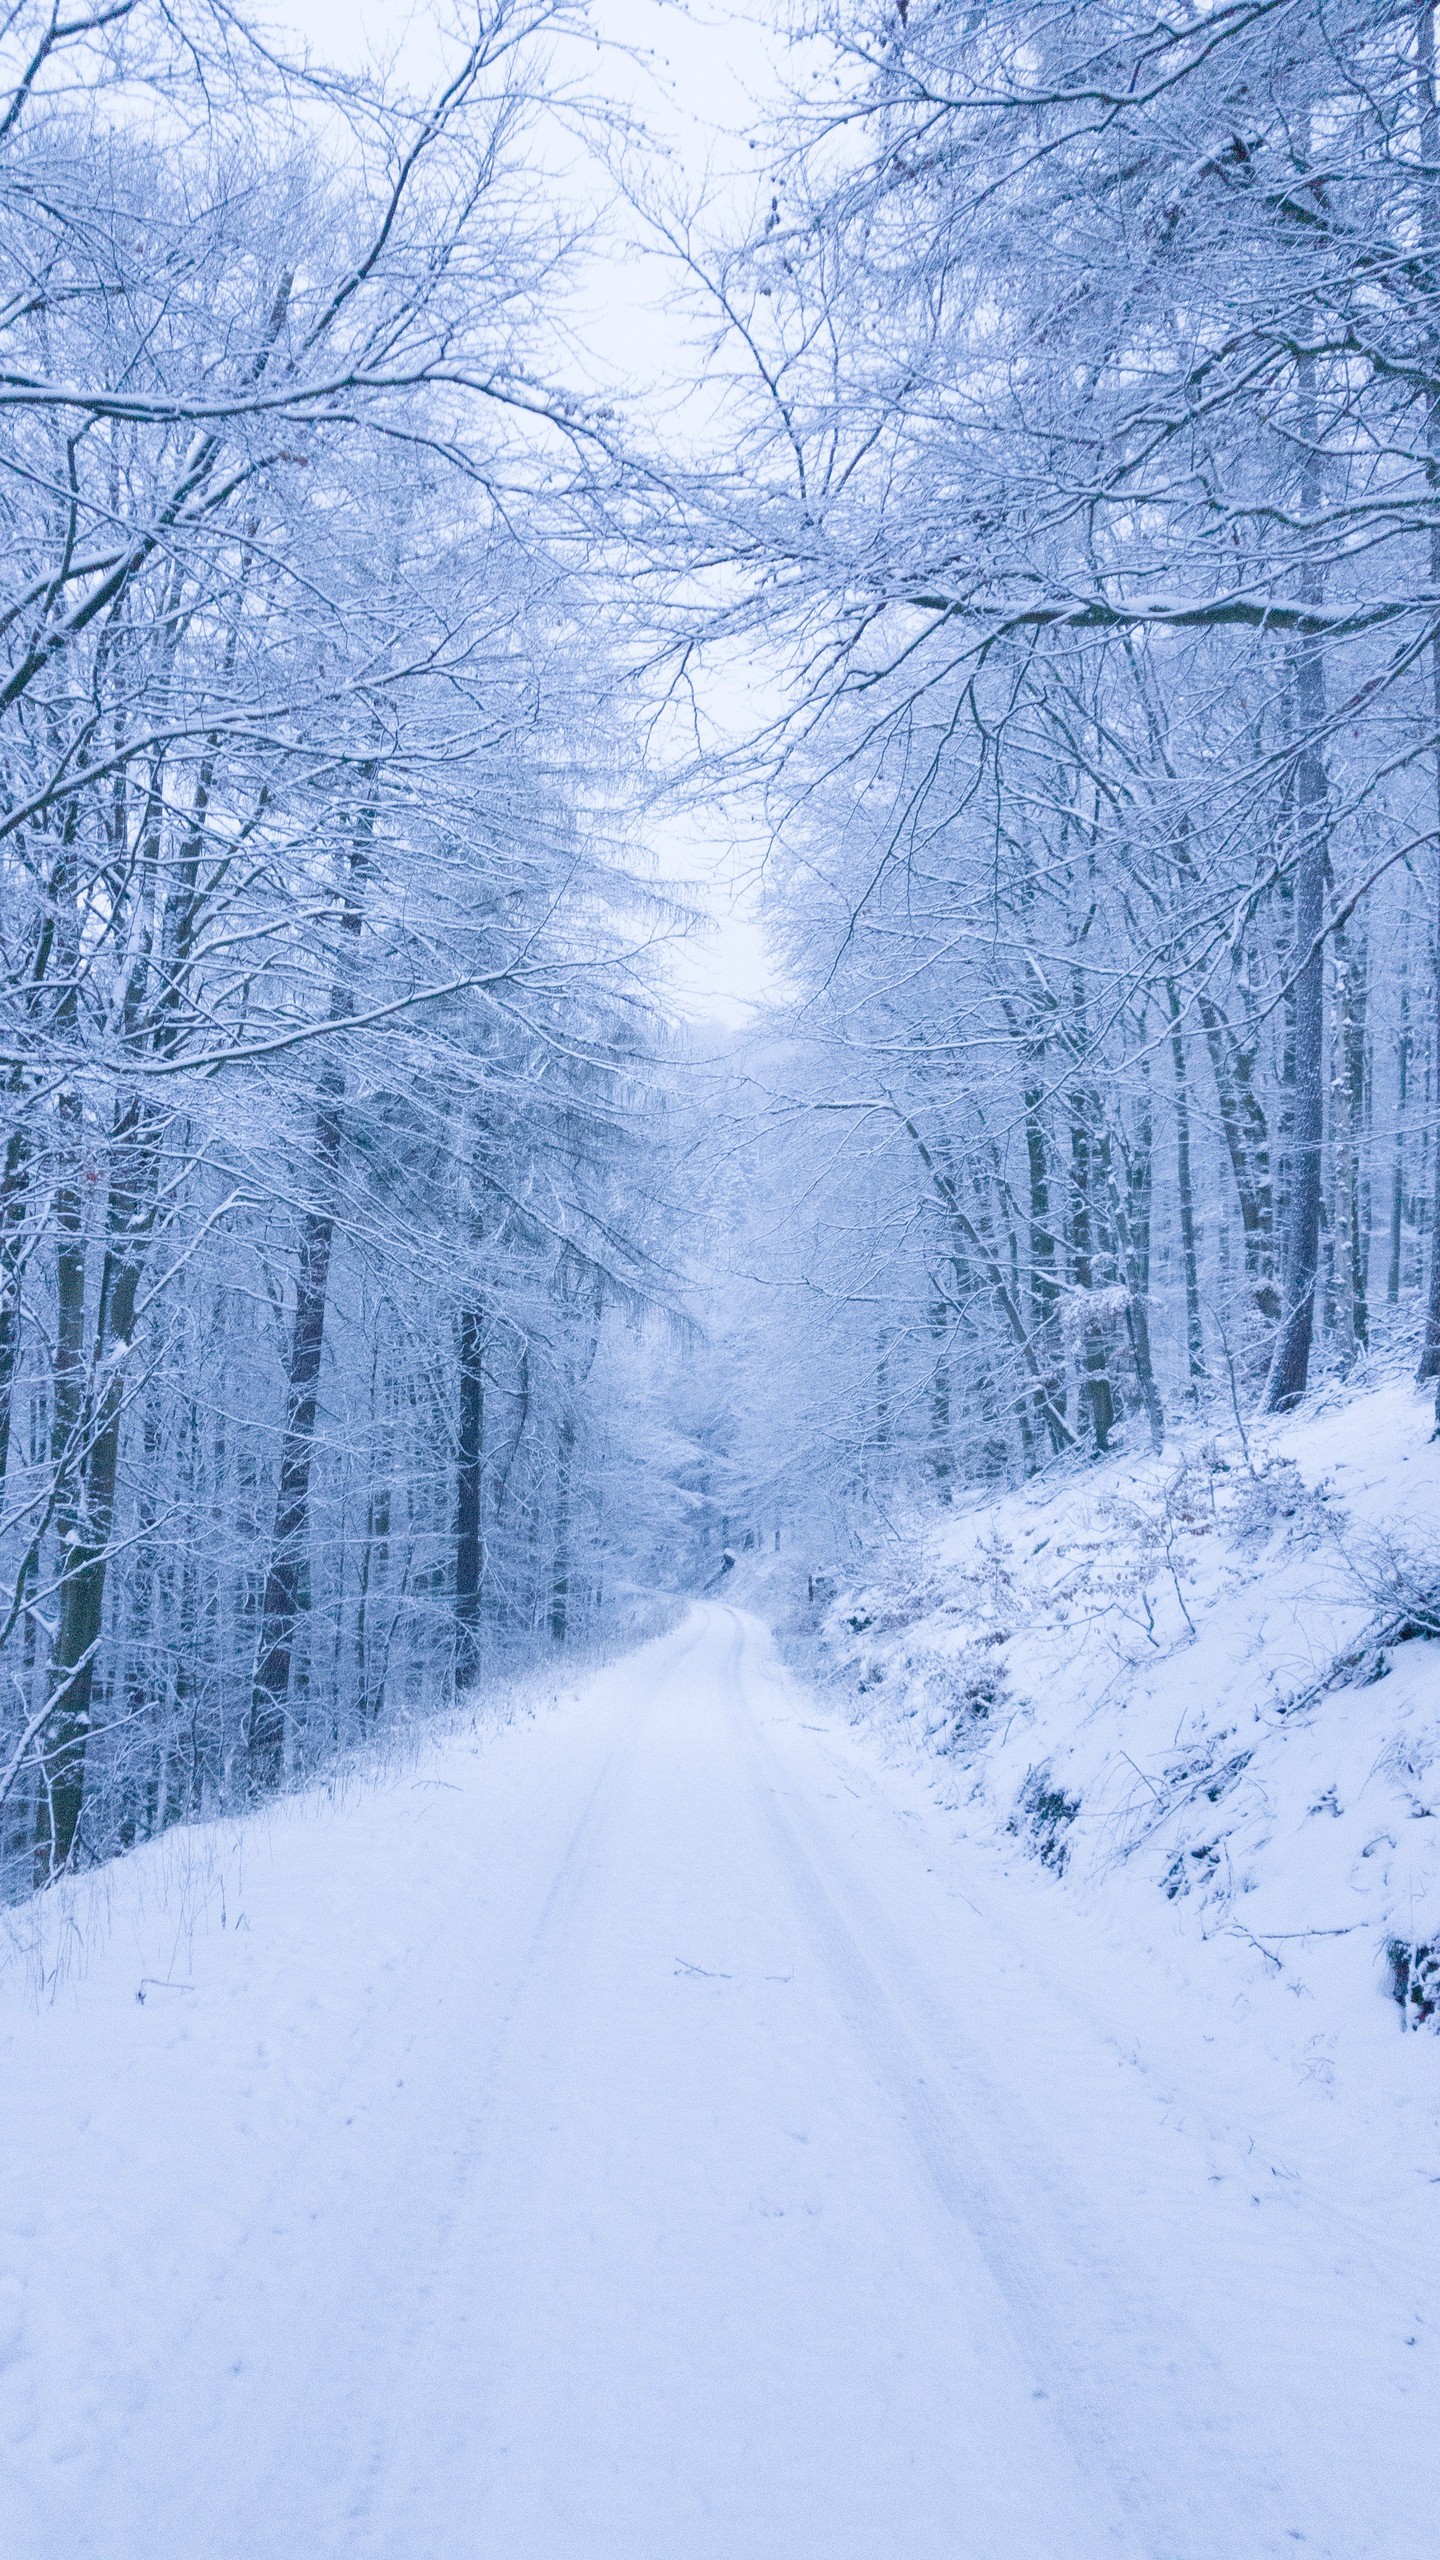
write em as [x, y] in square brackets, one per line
[605, 2145]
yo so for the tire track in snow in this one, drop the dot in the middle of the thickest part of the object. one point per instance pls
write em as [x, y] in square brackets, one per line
[365, 2517]
[1120, 2371]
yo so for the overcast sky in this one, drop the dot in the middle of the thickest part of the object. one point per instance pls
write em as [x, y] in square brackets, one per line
[694, 77]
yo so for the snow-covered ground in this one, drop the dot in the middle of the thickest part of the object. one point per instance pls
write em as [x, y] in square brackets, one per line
[652, 2128]
[1203, 1689]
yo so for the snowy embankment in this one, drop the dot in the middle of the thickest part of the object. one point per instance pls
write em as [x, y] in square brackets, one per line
[1192, 1699]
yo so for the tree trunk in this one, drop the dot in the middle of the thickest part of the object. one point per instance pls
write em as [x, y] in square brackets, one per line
[469, 1539]
[289, 1545]
[374, 1574]
[1430, 1349]
[1244, 1126]
[1044, 1287]
[941, 1459]
[14, 1178]
[1194, 1333]
[88, 1453]
[1097, 1396]
[1352, 1223]
[1130, 1215]
[1430, 144]
[290, 1538]
[1290, 1365]
[1402, 1097]
[560, 1572]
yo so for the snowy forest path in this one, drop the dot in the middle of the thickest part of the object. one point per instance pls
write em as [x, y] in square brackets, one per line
[652, 2176]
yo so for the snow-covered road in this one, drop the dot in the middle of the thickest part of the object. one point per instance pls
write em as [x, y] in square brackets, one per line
[622, 2138]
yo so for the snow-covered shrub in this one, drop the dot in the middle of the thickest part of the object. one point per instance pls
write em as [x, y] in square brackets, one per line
[1192, 1870]
[962, 1693]
[1415, 1981]
[1153, 1550]
[1277, 1497]
[1403, 1583]
[1042, 1817]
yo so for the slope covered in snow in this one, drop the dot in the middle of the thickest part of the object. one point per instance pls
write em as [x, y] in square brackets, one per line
[1197, 1697]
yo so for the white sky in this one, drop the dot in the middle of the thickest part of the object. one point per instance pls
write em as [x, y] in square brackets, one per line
[693, 75]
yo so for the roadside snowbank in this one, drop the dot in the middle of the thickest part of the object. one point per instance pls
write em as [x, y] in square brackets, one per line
[1192, 1698]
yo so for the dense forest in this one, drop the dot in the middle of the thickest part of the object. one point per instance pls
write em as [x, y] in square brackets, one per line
[392, 1282]
[1094, 400]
